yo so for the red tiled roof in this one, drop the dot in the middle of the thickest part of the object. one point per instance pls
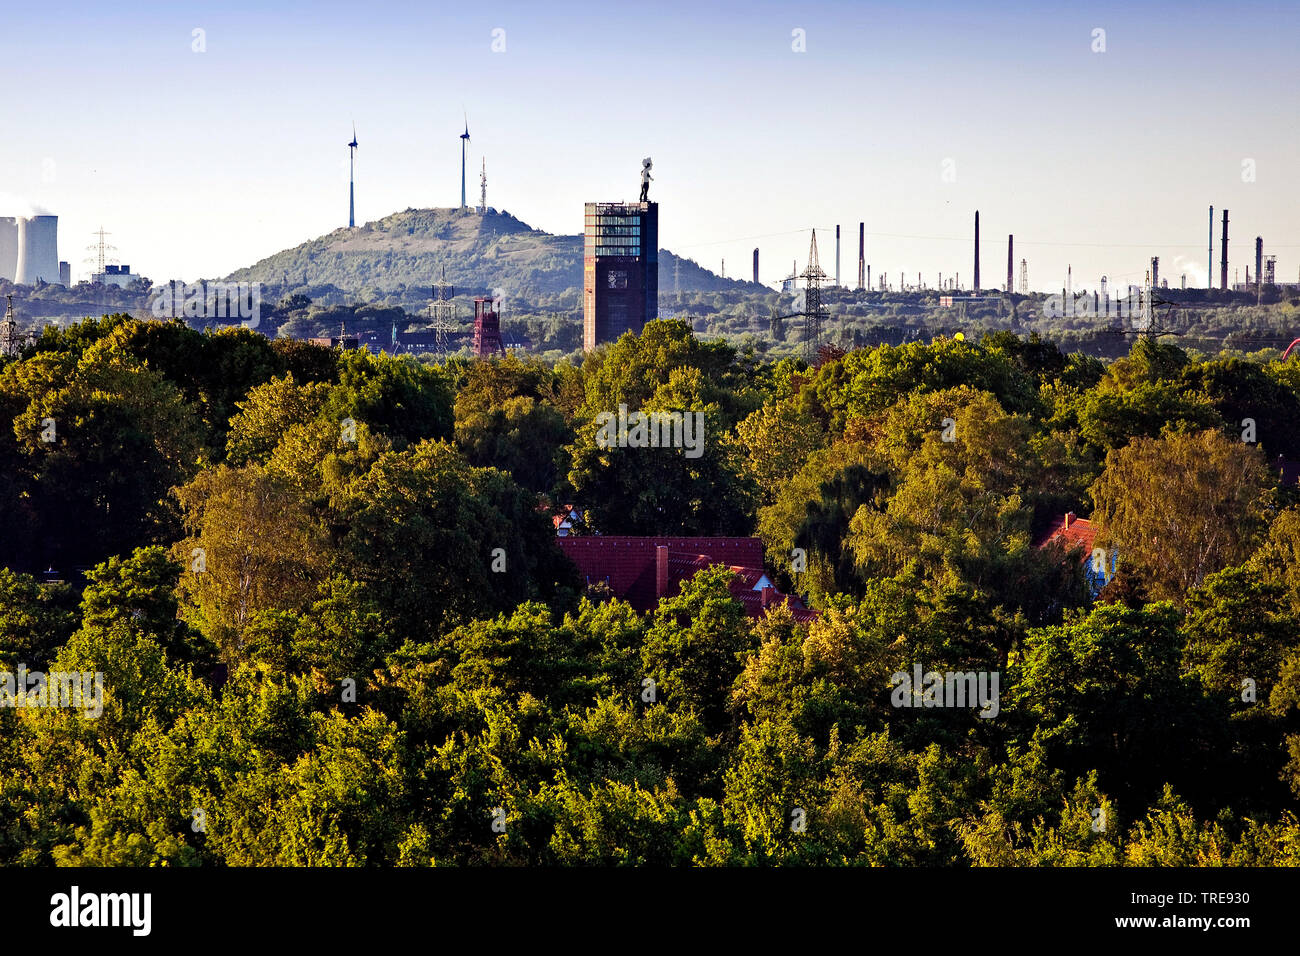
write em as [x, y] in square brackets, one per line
[682, 566]
[1079, 533]
[749, 578]
[630, 567]
[628, 563]
[686, 565]
[752, 601]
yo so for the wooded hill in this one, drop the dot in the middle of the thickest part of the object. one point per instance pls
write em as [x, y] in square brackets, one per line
[481, 252]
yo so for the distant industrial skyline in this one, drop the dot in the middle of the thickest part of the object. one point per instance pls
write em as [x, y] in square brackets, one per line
[908, 120]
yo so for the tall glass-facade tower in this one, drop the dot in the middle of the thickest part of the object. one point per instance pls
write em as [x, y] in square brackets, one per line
[620, 270]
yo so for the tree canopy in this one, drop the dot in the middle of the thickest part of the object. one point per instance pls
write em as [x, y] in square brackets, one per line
[328, 621]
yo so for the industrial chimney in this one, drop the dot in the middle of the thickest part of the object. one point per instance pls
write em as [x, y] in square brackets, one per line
[977, 250]
[38, 254]
[756, 266]
[837, 257]
[8, 247]
[1259, 264]
[862, 254]
[1223, 260]
[1155, 272]
[1011, 244]
[1209, 255]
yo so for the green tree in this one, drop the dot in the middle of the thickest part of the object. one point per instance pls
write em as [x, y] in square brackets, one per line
[435, 540]
[35, 620]
[252, 546]
[141, 592]
[522, 436]
[693, 647]
[1105, 691]
[661, 490]
[1242, 391]
[1181, 507]
[774, 442]
[103, 438]
[399, 397]
[1238, 628]
[266, 413]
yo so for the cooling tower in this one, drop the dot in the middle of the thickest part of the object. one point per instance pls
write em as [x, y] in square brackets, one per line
[38, 250]
[8, 247]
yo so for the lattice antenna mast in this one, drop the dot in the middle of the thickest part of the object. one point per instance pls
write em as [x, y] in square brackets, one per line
[482, 180]
[1024, 277]
[813, 312]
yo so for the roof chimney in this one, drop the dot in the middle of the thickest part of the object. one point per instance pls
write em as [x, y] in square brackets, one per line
[661, 571]
[1069, 516]
[766, 597]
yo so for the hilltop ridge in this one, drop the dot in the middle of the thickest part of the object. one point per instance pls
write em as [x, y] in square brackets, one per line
[481, 252]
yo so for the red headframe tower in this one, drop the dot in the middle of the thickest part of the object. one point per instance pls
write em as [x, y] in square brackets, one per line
[487, 329]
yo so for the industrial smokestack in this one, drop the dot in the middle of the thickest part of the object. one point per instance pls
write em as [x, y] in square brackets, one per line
[837, 257]
[8, 247]
[38, 250]
[1011, 244]
[756, 266]
[862, 254]
[1223, 254]
[977, 250]
[1209, 255]
[1155, 272]
[1259, 263]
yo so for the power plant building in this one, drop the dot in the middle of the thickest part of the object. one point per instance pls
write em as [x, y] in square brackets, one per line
[29, 249]
[8, 248]
[620, 270]
[120, 276]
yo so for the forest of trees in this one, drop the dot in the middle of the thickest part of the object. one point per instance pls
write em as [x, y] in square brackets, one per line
[334, 626]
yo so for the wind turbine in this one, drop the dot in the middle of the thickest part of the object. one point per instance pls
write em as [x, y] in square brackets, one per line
[352, 160]
[464, 139]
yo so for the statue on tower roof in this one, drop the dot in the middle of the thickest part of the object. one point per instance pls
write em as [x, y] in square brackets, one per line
[645, 179]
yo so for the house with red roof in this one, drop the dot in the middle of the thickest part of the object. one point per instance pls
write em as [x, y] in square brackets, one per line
[566, 521]
[642, 570]
[1078, 535]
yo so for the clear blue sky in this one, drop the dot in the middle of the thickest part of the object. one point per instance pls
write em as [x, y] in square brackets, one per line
[199, 163]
